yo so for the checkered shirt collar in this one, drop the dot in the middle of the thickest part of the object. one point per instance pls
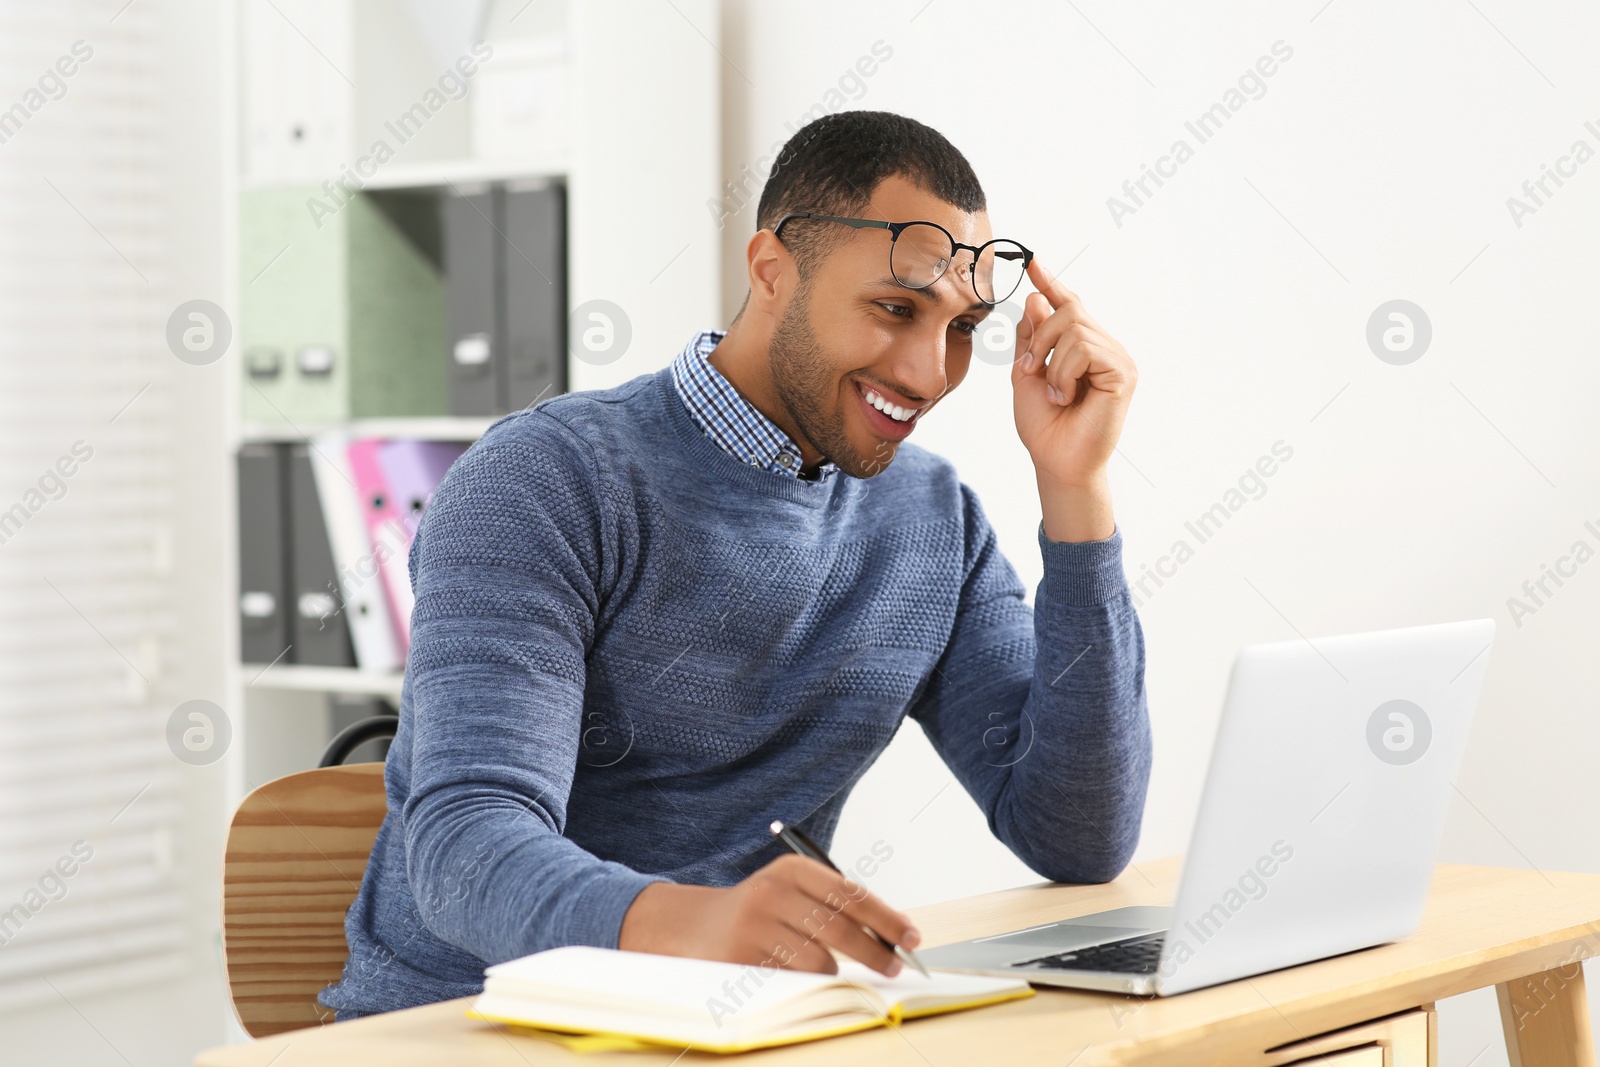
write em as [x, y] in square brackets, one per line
[731, 421]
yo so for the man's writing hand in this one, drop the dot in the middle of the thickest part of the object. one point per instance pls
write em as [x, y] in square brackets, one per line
[787, 914]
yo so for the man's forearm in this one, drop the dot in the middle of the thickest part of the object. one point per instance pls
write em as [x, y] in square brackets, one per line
[1054, 746]
[1080, 790]
[494, 882]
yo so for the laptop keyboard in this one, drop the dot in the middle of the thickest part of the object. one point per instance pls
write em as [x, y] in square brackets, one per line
[1133, 955]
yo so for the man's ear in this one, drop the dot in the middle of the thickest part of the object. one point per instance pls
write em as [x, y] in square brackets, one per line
[769, 265]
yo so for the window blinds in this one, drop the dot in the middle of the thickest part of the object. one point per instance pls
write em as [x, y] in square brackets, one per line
[89, 791]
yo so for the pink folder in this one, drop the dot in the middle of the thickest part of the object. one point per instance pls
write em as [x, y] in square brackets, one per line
[387, 534]
[411, 470]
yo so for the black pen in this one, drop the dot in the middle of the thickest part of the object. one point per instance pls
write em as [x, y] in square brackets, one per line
[799, 843]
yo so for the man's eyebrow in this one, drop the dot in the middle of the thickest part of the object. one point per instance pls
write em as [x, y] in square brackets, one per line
[931, 293]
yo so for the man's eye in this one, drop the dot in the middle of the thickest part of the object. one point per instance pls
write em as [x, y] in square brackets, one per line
[900, 311]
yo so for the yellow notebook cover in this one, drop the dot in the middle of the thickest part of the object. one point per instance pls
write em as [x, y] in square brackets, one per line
[594, 1000]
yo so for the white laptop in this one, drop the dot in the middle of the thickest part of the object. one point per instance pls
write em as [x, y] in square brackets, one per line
[1317, 831]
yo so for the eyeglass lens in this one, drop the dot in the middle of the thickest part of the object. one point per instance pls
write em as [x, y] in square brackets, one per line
[922, 253]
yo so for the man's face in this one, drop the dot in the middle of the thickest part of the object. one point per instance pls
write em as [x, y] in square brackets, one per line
[852, 334]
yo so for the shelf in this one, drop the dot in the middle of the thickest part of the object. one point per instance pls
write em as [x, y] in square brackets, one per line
[437, 174]
[323, 680]
[464, 171]
[421, 428]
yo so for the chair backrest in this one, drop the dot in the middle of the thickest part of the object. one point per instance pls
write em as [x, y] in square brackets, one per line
[297, 849]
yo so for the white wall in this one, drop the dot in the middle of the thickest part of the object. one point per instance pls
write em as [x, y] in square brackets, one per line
[1376, 166]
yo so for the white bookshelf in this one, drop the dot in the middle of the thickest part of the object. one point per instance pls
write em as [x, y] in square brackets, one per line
[434, 175]
[422, 428]
[641, 162]
[298, 678]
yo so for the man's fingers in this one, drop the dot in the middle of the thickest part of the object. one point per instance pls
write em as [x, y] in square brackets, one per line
[1059, 333]
[835, 920]
[1088, 368]
[822, 908]
[1036, 309]
[1048, 284]
[1035, 313]
[1025, 327]
[1081, 356]
[832, 923]
[1065, 370]
[1063, 328]
[1059, 297]
[850, 937]
[833, 889]
[808, 953]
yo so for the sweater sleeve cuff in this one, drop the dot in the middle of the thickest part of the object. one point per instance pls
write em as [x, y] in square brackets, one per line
[1082, 573]
[597, 918]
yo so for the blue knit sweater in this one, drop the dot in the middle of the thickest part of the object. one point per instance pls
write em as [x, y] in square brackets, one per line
[631, 652]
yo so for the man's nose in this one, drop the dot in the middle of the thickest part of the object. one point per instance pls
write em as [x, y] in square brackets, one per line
[920, 366]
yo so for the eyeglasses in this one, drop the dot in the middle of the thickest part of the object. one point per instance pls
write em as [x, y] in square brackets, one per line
[920, 253]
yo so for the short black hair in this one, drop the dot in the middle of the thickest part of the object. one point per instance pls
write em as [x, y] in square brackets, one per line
[833, 165]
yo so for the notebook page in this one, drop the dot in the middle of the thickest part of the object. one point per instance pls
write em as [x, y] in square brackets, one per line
[651, 985]
[844, 1014]
[914, 992]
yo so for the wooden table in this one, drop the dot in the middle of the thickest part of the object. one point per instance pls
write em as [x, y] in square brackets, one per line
[1522, 931]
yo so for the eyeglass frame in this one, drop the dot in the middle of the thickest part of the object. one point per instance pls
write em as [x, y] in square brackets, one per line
[895, 229]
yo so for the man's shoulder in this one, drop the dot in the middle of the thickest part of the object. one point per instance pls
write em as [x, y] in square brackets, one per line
[566, 447]
[588, 420]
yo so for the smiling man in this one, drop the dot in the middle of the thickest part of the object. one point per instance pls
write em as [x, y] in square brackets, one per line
[653, 619]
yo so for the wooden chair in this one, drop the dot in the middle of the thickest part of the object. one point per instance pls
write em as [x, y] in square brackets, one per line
[297, 849]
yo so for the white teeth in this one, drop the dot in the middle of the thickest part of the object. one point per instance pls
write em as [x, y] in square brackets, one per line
[894, 411]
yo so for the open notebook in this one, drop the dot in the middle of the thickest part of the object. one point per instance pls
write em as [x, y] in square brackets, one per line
[614, 999]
